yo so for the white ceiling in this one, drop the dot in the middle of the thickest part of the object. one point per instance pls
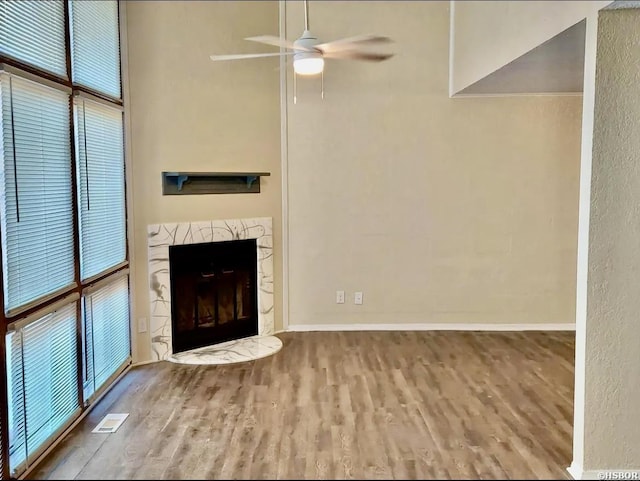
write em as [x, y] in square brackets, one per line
[556, 66]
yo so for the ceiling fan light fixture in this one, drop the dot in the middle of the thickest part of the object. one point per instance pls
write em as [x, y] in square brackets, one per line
[307, 60]
[308, 65]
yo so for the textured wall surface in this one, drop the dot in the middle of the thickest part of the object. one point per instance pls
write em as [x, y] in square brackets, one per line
[188, 113]
[440, 210]
[612, 417]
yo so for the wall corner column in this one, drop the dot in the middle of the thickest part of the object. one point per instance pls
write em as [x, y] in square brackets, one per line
[607, 369]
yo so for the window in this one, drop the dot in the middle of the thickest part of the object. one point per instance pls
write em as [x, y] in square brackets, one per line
[65, 319]
[96, 49]
[35, 195]
[33, 32]
[100, 148]
[42, 373]
[106, 314]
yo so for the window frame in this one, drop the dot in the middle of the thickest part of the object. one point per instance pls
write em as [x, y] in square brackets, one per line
[4, 413]
[71, 300]
[24, 310]
[22, 69]
[95, 392]
[125, 263]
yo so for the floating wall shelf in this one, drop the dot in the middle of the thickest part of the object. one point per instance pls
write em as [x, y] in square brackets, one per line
[186, 183]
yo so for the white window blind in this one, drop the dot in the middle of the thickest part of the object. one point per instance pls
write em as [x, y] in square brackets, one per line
[96, 45]
[35, 191]
[100, 158]
[43, 388]
[106, 332]
[33, 32]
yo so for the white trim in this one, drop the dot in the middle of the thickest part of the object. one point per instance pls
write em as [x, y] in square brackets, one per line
[518, 94]
[431, 327]
[144, 363]
[582, 257]
[128, 170]
[577, 472]
[284, 166]
[452, 42]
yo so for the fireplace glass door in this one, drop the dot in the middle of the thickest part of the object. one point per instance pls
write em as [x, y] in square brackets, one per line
[213, 293]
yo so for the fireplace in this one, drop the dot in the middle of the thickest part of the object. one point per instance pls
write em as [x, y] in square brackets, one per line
[164, 237]
[213, 287]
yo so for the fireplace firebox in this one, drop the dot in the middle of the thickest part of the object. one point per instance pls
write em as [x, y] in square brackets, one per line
[214, 293]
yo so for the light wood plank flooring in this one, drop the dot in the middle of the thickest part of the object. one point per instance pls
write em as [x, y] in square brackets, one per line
[339, 405]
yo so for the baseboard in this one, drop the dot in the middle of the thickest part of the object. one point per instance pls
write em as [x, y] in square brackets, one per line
[431, 327]
[144, 363]
[577, 472]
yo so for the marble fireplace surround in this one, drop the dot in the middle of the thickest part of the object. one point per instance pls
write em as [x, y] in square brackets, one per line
[161, 236]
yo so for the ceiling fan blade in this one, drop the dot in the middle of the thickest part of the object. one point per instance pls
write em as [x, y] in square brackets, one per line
[275, 41]
[351, 42]
[357, 55]
[241, 56]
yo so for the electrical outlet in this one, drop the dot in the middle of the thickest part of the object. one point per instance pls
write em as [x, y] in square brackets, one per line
[142, 324]
[339, 297]
[357, 298]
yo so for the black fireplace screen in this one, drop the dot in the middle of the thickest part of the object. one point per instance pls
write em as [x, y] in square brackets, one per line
[214, 294]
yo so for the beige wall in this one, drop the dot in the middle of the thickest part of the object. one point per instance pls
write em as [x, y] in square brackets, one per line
[440, 210]
[611, 422]
[487, 35]
[188, 113]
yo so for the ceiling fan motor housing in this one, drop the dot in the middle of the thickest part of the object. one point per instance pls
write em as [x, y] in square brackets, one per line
[305, 51]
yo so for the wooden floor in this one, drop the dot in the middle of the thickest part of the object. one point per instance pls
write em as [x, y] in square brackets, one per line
[361, 405]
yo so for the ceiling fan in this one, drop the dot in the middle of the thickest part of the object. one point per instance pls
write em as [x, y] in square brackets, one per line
[309, 53]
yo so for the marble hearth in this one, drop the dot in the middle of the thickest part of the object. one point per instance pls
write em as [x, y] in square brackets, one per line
[161, 236]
